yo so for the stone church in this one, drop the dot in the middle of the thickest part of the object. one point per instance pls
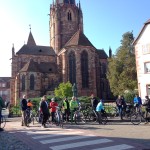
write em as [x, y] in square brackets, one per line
[37, 70]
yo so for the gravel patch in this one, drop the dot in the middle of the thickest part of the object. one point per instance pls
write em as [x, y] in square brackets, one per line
[9, 142]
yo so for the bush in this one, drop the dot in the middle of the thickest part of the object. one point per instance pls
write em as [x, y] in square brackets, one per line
[129, 96]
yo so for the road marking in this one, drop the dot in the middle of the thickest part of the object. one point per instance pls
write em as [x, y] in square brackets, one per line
[44, 132]
[65, 139]
[117, 147]
[56, 134]
[78, 144]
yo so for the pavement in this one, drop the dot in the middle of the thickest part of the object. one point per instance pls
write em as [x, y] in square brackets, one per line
[116, 135]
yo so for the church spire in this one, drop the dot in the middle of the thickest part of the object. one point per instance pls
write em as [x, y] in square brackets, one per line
[110, 52]
[31, 41]
[13, 51]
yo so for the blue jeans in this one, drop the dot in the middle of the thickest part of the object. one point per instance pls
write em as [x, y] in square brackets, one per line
[120, 111]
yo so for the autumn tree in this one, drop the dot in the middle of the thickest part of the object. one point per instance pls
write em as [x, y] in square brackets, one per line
[121, 73]
[64, 90]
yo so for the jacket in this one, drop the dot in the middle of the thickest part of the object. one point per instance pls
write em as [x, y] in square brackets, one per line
[99, 106]
[73, 104]
[66, 104]
[53, 106]
[23, 104]
[1, 104]
[44, 107]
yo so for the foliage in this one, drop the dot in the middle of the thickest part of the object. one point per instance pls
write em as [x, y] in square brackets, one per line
[122, 68]
[129, 96]
[64, 90]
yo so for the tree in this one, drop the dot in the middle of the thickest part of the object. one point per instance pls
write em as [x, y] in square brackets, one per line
[64, 90]
[122, 73]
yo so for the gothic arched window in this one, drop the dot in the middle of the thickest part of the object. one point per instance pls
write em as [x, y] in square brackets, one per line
[72, 68]
[69, 16]
[23, 82]
[31, 82]
[84, 69]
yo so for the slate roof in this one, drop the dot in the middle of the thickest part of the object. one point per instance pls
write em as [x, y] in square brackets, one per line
[36, 50]
[43, 67]
[145, 24]
[102, 54]
[79, 38]
[31, 41]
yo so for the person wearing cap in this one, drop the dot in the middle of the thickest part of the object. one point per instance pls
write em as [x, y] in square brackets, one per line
[66, 109]
[23, 110]
[73, 107]
[45, 110]
[53, 106]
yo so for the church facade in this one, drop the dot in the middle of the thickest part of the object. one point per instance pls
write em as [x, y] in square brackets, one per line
[37, 70]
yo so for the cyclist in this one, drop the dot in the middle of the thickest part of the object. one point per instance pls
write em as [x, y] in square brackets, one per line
[53, 105]
[119, 103]
[100, 110]
[23, 110]
[1, 106]
[147, 108]
[73, 107]
[137, 103]
[94, 102]
[29, 106]
[66, 109]
[45, 111]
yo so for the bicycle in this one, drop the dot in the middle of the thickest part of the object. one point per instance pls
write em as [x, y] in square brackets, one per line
[137, 117]
[29, 117]
[58, 117]
[79, 117]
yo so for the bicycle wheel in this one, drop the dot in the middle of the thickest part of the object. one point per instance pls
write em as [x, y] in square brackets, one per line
[136, 118]
[57, 119]
[79, 118]
[3, 122]
[104, 119]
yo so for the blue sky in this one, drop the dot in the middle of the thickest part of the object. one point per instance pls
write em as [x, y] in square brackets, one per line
[105, 21]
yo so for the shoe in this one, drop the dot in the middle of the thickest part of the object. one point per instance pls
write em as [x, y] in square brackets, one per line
[146, 123]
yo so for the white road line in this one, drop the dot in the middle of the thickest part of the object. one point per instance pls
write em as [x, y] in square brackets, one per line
[45, 132]
[78, 144]
[117, 147]
[56, 134]
[65, 139]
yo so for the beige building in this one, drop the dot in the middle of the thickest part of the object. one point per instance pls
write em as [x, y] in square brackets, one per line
[142, 52]
[37, 70]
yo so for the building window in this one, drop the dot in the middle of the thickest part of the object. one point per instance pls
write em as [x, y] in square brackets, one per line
[72, 68]
[148, 90]
[31, 82]
[84, 69]
[147, 67]
[23, 82]
[69, 16]
[3, 85]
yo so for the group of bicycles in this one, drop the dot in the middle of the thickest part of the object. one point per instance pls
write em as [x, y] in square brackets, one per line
[83, 115]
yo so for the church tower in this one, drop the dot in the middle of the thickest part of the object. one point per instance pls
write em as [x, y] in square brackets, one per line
[65, 20]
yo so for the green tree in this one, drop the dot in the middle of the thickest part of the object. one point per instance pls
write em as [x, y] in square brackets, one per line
[122, 67]
[63, 90]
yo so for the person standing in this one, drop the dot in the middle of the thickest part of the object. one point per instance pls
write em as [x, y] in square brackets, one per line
[53, 106]
[45, 111]
[1, 106]
[66, 109]
[94, 102]
[147, 108]
[119, 103]
[73, 106]
[137, 102]
[23, 110]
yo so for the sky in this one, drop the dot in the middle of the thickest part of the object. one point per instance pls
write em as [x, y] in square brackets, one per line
[105, 21]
